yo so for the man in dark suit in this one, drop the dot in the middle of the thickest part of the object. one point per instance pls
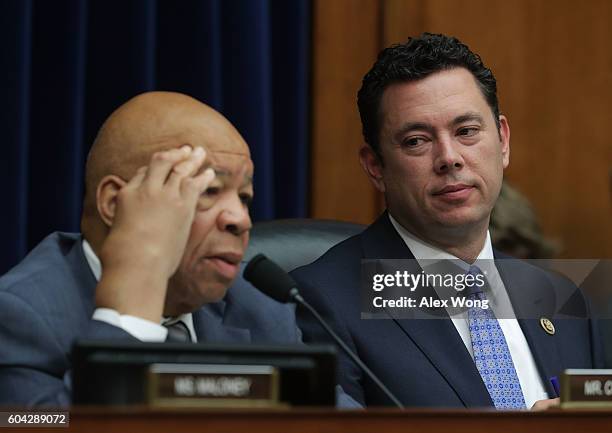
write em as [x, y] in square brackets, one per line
[436, 148]
[165, 225]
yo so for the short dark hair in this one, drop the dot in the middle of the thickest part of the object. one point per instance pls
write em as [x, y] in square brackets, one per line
[413, 60]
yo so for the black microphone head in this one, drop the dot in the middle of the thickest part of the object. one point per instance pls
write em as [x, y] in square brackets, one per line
[270, 279]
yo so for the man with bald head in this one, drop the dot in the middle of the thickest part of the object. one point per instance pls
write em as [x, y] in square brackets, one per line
[165, 225]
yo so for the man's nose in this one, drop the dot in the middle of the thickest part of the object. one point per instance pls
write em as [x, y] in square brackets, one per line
[448, 156]
[235, 217]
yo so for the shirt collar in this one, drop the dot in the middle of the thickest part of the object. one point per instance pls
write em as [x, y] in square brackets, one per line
[187, 319]
[424, 251]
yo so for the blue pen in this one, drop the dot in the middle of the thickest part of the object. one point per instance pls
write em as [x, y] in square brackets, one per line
[554, 381]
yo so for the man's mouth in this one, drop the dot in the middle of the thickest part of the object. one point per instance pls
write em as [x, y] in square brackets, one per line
[455, 192]
[226, 264]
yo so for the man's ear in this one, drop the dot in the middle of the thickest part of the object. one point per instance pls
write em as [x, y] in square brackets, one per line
[504, 135]
[373, 166]
[106, 197]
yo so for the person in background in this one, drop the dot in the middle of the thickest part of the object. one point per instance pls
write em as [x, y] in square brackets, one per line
[515, 229]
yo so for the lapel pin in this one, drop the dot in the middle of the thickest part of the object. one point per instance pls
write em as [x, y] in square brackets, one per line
[547, 325]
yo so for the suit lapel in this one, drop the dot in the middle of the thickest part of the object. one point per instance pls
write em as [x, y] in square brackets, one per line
[438, 339]
[529, 310]
[82, 273]
[219, 323]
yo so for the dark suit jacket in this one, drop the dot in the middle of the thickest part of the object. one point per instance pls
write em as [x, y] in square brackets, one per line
[425, 362]
[46, 302]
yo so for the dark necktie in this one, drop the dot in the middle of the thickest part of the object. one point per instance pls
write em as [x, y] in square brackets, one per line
[178, 333]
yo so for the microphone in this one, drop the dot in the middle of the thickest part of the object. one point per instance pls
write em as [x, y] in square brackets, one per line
[273, 281]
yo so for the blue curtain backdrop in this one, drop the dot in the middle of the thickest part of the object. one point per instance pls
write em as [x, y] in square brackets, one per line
[67, 64]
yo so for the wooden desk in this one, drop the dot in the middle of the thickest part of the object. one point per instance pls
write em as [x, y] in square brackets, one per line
[143, 420]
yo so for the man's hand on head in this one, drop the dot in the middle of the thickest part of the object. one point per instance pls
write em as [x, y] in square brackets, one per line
[153, 217]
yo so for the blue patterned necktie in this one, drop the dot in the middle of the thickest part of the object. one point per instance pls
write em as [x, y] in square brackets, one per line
[491, 352]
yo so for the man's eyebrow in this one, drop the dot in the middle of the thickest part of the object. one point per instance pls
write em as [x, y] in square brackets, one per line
[413, 126]
[468, 117]
[407, 127]
[220, 172]
[223, 173]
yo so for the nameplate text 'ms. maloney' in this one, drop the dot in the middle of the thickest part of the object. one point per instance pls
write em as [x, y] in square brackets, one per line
[215, 385]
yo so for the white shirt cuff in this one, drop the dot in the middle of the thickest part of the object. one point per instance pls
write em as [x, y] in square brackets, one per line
[143, 329]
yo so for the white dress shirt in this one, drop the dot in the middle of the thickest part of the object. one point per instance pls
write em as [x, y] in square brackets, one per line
[526, 370]
[143, 329]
